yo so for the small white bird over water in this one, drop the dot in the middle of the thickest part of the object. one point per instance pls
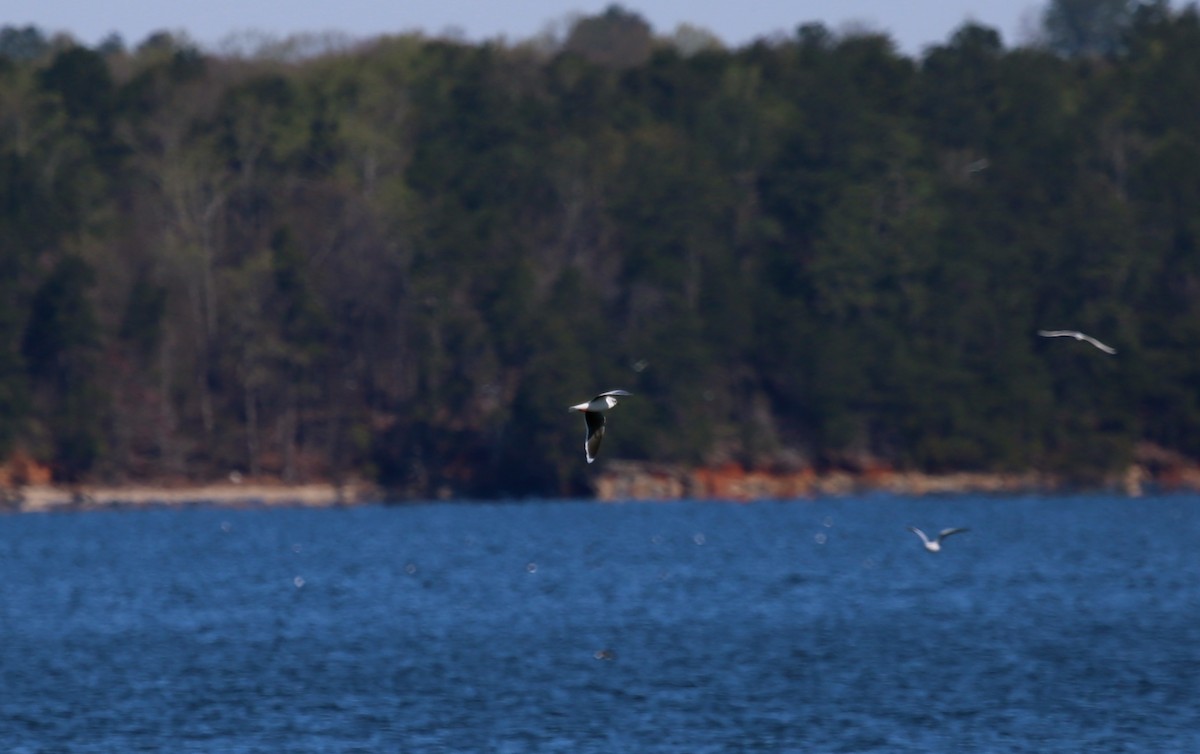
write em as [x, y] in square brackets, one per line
[595, 419]
[1077, 336]
[935, 544]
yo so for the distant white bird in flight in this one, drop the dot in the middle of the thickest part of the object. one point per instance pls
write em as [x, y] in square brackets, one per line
[1077, 336]
[935, 544]
[595, 419]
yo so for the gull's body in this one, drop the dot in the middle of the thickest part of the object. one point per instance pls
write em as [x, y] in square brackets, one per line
[935, 544]
[593, 416]
[1077, 336]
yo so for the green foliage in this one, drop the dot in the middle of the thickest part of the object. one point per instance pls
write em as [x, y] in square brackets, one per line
[23, 44]
[142, 324]
[59, 349]
[617, 38]
[1087, 27]
[406, 259]
[81, 79]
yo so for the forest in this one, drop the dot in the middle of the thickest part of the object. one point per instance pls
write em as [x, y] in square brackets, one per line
[402, 258]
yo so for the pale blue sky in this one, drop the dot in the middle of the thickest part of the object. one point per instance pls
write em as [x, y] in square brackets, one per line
[914, 24]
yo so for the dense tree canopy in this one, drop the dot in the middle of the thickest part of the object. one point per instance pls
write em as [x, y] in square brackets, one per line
[404, 259]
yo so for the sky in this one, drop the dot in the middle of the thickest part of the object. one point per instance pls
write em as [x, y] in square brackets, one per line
[912, 24]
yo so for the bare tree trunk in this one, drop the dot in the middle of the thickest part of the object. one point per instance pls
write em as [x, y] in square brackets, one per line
[168, 459]
[252, 443]
[287, 430]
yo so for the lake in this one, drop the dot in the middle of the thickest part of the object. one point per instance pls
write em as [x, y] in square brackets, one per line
[1055, 624]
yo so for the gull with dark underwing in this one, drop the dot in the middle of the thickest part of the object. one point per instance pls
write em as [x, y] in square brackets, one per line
[594, 417]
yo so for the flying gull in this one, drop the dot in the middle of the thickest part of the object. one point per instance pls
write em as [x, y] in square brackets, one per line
[935, 544]
[1077, 336]
[595, 419]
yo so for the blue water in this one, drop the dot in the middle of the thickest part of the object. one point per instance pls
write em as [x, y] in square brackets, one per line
[1054, 625]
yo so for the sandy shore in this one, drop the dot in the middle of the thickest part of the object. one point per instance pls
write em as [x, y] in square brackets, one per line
[618, 481]
[42, 498]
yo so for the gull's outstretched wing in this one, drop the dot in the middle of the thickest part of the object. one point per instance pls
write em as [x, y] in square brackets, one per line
[1098, 344]
[612, 392]
[595, 433]
[947, 532]
[919, 533]
[1077, 336]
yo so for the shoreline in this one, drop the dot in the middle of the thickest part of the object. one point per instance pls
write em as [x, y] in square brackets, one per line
[48, 498]
[619, 481]
[623, 480]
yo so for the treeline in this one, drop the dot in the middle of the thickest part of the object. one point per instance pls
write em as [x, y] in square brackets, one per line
[402, 259]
